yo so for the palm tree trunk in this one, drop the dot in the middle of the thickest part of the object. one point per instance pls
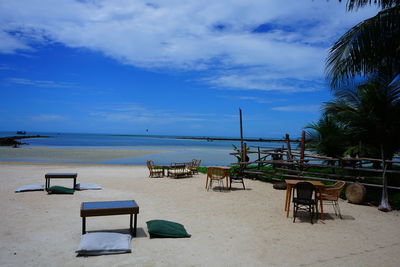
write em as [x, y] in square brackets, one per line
[384, 206]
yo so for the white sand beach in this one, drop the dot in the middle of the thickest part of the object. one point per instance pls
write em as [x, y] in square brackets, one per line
[231, 228]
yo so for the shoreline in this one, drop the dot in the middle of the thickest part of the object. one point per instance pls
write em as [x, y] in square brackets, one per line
[66, 164]
[45, 154]
[116, 156]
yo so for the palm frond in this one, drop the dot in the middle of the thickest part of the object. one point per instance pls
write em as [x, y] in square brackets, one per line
[370, 47]
[356, 4]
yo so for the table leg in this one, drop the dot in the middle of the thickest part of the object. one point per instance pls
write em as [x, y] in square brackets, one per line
[74, 183]
[288, 196]
[135, 226]
[322, 207]
[83, 225]
[130, 224]
[47, 183]
[206, 181]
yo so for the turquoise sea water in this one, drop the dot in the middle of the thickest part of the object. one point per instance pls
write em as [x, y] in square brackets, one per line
[176, 150]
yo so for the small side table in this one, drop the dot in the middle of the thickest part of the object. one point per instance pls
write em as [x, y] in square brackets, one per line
[106, 208]
[49, 176]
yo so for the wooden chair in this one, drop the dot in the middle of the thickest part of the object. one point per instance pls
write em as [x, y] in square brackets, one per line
[330, 194]
[195, 165]
[155, 171]
[303, 199]
[218, 175]
[238, 178]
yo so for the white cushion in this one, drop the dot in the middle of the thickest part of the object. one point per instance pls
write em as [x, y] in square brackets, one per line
[32, 187]
[83, 186]
[102, 243]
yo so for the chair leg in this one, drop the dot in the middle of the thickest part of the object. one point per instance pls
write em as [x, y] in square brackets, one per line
[311, 210]
[243, 184]
[338, 209]
[294, 212]
[334, 208]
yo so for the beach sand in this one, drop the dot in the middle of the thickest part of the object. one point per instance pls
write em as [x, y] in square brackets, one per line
[232, 228]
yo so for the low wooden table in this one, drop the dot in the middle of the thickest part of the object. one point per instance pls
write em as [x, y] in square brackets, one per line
[105, 208]
[290, 184]
[49, 176]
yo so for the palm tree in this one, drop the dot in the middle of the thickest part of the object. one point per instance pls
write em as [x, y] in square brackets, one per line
[371, 113]
[370, 47]
[327, 137]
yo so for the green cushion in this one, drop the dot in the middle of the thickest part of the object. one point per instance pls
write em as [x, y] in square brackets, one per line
[60, 190]
[162, 228]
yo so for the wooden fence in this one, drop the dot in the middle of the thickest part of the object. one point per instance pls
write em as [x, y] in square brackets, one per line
[297, 164]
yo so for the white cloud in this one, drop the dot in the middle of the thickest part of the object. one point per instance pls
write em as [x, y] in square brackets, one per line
[256, 99]
[132, 112]
[48, 117]
[298, 108]
[40, 83]
[189, 35]
[9, 44]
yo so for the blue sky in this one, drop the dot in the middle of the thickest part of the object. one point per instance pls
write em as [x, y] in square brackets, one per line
[172, 67]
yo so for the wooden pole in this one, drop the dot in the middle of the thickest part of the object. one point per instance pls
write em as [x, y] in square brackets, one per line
[289, 149]
[303, 143]
[241, 128]
[242, 156]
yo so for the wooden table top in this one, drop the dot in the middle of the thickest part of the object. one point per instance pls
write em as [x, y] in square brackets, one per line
[109, 208]
[61, 175]
[293, 182]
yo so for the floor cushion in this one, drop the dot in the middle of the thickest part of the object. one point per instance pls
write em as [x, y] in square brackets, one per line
[60, 190]
[32, 187]
[103, 243]
[84, 186]
[162, 228]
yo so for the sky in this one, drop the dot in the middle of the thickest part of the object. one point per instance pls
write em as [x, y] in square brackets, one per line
[176, 67]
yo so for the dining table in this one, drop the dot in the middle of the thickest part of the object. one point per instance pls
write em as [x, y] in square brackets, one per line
[289, 189]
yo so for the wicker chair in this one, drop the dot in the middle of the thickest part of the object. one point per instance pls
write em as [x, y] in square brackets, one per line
[218, 175]
[195, 165]
[155, 171]
[303, 199]
[331, 194]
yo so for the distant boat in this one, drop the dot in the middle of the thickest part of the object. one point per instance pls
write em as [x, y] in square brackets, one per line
[21, 132]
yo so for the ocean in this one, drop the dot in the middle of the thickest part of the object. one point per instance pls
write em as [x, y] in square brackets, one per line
[161, 149]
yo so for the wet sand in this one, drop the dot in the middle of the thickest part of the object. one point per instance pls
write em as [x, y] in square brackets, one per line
[230, 228]
[87, 155]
